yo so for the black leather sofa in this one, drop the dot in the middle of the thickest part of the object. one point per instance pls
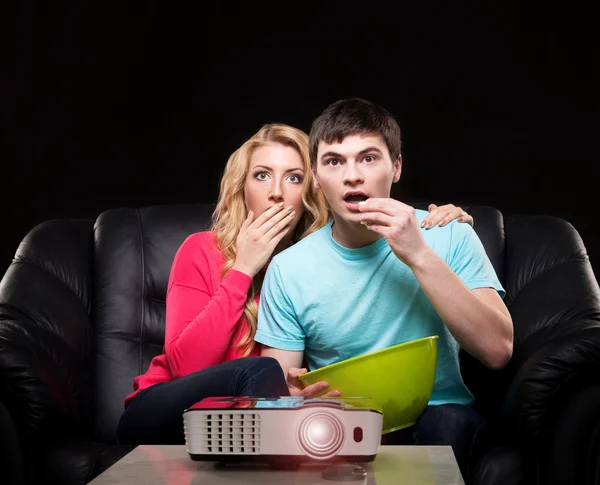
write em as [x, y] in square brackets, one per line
[82, 311]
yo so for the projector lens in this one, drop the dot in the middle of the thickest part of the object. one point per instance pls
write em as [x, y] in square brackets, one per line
[321, 435]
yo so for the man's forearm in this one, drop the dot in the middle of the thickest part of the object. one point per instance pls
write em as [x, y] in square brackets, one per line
[286, 358]
[482, 329]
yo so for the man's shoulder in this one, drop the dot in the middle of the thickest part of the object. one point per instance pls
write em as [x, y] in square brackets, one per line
[421, 214]
[452, 233]
[462, 233]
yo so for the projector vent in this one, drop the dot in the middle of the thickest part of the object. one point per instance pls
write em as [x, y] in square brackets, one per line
[226, 433]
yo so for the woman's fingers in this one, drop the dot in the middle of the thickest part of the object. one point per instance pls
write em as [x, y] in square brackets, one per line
[444, 214]
[267, 215]
[279, 228]
[435, 214]
[273, 221]
[247, 221]
[466, 217]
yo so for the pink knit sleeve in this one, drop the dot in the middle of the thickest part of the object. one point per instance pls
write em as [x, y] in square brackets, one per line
[200, 322]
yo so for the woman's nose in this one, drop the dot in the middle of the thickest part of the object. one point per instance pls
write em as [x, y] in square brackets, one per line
[276, 193]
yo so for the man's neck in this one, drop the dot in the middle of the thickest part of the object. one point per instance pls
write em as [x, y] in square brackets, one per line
[352, 235]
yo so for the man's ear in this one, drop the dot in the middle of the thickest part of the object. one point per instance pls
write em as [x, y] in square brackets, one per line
[397, 168]
[313, 169]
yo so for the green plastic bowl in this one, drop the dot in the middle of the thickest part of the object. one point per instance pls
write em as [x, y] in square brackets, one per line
[399, 378]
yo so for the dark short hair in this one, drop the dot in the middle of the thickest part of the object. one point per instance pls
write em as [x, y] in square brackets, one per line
[354, 116]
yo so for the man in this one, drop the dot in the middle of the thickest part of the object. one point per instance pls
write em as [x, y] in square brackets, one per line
[373, 278]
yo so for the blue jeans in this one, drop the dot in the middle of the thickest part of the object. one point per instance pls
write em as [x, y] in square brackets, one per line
[155, 415]
[455, 425]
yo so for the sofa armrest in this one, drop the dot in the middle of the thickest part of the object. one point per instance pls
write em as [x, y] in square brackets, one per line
[41, 380]
[12, 464]
[46, 338]
[561, 366]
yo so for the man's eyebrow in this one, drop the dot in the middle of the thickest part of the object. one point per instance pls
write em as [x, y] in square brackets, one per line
[370, 149]
[362, 152]
[266, 167]
[331, 154]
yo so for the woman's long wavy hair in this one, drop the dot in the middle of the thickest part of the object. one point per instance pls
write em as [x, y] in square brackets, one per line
[231, 211]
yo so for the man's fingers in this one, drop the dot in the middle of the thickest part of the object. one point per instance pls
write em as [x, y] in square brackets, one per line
[295, 371]
[314, 389]
[387, 206]
[383, 230]
[379, 218]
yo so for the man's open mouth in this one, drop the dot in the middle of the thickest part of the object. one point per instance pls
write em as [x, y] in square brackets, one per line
[355, 198]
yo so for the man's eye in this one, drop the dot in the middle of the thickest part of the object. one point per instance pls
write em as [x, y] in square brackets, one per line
[369, 158]
[333, 161]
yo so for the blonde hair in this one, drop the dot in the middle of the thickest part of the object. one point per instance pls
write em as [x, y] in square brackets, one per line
[231, 211]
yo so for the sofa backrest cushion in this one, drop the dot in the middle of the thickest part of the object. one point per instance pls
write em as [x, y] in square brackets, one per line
[134, 251]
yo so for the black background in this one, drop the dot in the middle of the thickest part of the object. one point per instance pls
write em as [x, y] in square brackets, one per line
[108, 105]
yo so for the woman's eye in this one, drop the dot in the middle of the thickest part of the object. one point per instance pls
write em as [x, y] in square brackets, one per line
[261, 175]
[295, 179]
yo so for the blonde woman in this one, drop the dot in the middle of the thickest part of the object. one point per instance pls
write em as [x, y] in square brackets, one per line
[267, 202]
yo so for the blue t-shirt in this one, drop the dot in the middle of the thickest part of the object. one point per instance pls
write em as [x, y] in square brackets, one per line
[335, 303]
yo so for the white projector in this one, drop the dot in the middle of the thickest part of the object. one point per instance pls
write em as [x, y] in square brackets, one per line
[283, 430]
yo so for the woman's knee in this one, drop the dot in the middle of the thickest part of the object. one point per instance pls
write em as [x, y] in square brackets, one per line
[262, 376]
[264, 368]
[254, 365]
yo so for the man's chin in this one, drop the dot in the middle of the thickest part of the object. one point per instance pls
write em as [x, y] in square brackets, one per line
[346, 216]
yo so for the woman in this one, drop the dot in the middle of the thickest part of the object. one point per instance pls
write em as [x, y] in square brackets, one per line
[267, 202]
